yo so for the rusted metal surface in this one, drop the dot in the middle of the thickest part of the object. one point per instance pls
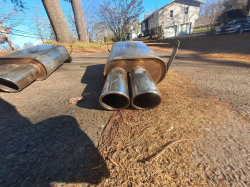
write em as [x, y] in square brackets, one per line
[19, 69]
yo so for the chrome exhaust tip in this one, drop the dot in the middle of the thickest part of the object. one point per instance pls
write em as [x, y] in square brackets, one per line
[115, 94]
[145, 94]
[18, 78]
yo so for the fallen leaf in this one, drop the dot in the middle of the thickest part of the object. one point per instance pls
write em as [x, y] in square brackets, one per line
[76, 100]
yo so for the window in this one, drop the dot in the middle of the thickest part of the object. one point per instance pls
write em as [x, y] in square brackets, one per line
[143, 26]
[171, 13]
[186, 10]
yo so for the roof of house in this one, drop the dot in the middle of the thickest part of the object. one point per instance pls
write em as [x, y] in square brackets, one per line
[199, 1]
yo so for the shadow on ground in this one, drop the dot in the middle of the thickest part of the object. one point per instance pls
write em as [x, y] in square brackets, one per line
[94, 79]
[53, 150]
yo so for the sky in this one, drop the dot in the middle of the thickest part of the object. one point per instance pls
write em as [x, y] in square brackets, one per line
[24, 30]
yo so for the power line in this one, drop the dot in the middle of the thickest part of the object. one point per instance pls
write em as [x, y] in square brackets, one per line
[25, 36]
[42, 8]
[22, 31]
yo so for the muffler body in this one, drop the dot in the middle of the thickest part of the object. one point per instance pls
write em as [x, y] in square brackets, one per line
[19, 69]
[145, 70]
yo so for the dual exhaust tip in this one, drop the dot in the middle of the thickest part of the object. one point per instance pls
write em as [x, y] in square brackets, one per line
[132, 72]
[137, 89]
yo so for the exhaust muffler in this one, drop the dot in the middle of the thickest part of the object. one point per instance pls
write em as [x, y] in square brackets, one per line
[145, 70]
[21, 68]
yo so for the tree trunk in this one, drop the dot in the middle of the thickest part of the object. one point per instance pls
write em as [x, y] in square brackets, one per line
[58, 22]
[6, 36]
[248, 7]
[79, 20]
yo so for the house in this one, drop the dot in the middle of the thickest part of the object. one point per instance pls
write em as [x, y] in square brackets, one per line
[38, 42]
[135, 30]
[174, 19]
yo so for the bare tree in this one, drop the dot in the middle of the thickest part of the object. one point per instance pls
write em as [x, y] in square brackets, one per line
[9, 18]
[19, 4]
[58, 21]
[154, 23]
[96, 30]
[211, 10]
[119, 15]
[72, 24]
[5, 37]
[215, 10]
[41, 27]
[56, 18]
[79, 20]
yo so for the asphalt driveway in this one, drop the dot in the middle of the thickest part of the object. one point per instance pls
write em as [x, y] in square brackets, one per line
[44, 137]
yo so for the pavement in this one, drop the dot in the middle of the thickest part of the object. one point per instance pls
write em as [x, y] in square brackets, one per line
[45, 139]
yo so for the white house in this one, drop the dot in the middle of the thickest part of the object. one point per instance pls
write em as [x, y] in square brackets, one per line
[38, 42]
[174, 19]
[135, 30]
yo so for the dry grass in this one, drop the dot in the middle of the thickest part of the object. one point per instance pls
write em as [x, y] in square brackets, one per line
[153, 147]
[77, 46]
[236, 57]
[80, 46]
[5, 53]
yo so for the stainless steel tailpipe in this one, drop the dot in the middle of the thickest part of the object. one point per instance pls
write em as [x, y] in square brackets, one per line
[145, 94]
[19, 77]
[115, 94]
[145, 69]
[20, 68]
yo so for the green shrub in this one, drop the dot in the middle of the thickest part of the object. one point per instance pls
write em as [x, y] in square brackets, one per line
[106, 39]
[114, 39]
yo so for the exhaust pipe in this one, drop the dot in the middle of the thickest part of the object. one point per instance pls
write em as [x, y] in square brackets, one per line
[21, 68]
[145, 70]
[18, 78]
[145, 94]
[115, 94]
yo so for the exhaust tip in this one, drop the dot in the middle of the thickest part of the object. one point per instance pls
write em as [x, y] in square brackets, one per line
[114, 101]
[8, 86]
[147, 100]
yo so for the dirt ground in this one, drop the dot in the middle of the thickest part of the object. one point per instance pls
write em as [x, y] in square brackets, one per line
[198, 136]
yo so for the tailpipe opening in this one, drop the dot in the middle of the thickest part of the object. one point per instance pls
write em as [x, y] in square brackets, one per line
[18, 78]
[115, 94]
[145, 94]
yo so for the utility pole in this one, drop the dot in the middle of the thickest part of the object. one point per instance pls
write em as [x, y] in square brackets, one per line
[6, 36]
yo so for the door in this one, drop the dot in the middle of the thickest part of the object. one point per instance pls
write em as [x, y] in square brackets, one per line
[184, 29]
[170, 31]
